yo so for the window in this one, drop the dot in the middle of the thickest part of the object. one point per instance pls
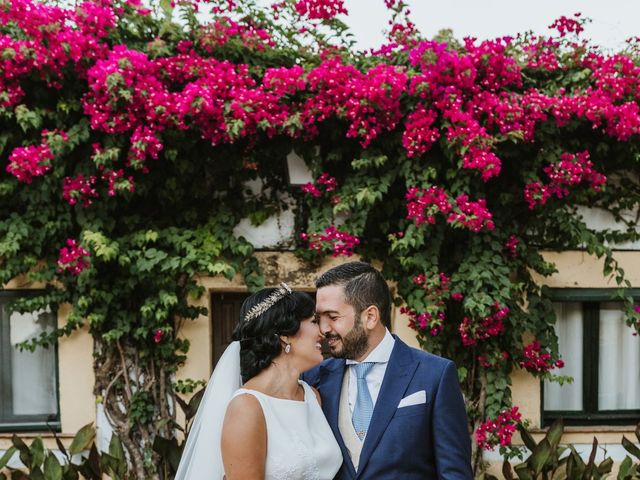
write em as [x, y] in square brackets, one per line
[28, 380]
[601, 354]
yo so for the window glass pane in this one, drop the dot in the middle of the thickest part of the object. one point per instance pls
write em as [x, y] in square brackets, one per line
[619, 368]
[569, 330]
[32, 373]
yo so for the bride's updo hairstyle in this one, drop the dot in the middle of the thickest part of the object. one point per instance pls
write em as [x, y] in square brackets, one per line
[264, 316]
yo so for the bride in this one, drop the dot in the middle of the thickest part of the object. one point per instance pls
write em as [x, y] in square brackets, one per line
[272, 427]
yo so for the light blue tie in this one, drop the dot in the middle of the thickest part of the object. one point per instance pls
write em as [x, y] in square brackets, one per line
[363, 408]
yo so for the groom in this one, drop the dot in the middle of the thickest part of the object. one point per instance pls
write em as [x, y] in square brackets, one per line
[397, 412]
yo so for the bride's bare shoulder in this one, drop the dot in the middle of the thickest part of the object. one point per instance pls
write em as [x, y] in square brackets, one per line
[244, 406]
[244, 438]
[244, 421]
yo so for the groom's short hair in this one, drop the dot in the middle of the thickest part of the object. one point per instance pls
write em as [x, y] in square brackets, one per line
[363, 286]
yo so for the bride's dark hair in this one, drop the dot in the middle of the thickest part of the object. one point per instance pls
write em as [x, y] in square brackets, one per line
[259, 337]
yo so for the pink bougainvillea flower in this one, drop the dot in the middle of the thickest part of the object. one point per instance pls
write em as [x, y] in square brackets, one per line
[73, 258]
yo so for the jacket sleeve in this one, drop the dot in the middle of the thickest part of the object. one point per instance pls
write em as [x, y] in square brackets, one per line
[452, 441]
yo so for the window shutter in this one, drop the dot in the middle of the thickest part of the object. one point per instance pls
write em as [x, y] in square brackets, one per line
[225, 308]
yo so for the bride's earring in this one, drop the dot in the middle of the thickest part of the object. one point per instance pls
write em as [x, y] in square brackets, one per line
[287, 349]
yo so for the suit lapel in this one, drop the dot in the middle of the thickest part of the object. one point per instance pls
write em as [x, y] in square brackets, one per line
[399, 373]
[330, 385]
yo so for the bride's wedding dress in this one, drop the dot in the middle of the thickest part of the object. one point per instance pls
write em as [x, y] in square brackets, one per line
[300, 443]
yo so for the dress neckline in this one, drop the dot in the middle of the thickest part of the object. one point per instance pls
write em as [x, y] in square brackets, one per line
[300, 382]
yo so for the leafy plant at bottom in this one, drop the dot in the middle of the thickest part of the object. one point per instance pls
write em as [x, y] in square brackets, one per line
[169, 449]
[628, 469]
[74, 463]
[547, 461]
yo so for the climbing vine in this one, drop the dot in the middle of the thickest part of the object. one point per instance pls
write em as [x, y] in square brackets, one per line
[129, 133]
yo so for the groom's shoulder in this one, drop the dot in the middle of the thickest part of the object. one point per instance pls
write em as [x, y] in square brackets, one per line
[312, 376]
[426, 358]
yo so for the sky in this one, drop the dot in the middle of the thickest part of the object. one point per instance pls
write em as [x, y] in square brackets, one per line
[613, 21]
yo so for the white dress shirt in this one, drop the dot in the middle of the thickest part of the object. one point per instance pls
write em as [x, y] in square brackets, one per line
[380, 356]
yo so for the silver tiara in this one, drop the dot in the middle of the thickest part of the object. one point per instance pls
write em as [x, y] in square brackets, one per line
[282, 291]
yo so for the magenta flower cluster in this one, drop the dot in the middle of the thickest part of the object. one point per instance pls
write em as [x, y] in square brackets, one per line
[73, 258]
[473, 331]
[324, 182]
[511, 245]
[571, 170]
[493, 359]
[537, 360]
[334, 240]
[25, 163]
[223, 30]
[499, 431]
[430, 321]
[79, 189]
[423, 205]
[51, 39]
[114, 183]
[28, 162]
[320, 9]
[566, 25]
[436, 290]
[470, 96]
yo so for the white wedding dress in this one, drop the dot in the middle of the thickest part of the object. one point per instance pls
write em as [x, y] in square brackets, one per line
[300, 443]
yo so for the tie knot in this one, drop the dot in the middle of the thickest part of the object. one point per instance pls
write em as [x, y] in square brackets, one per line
[362, 369]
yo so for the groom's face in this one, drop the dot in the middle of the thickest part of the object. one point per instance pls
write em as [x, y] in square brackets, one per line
[341, 327]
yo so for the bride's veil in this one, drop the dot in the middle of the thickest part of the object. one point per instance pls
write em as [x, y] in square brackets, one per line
[202, 457]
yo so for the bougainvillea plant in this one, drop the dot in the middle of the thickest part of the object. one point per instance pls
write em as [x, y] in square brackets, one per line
[128, 132]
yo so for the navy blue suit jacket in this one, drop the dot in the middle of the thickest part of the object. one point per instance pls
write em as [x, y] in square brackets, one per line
[424, 441]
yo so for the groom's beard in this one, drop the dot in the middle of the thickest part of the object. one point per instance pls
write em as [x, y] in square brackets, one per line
[353, 344]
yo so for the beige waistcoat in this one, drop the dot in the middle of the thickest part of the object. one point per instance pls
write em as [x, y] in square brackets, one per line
[351, 440]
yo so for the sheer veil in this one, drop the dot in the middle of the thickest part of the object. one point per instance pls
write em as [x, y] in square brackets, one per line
[201, 457]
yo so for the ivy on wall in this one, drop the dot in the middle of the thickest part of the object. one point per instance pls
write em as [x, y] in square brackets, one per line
[128, 135]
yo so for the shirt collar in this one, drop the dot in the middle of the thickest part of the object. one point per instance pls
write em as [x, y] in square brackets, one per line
[381, 353]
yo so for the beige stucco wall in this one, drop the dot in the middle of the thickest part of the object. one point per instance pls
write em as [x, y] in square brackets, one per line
[576, 269]
[77, 403]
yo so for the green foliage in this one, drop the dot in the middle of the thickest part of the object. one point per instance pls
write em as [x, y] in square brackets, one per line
[630, 466]
[81, 460]
[549, 460]
[169, 449]
[152, 236]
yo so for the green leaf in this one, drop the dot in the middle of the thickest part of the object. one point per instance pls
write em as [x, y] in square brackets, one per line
[111, 466]
[539, 457]
[27, 119]
[7, 456]
[625, 467]
[83, 439]
[52, 468]
[115, 448]
[527, 439]
[25, 453]
[523, 472]
[630, 447]
[507, 471]
[605, 466]
[37, 451]
[575, 464]
[90, 469]
[555, 433]
[194, 403]
[168, 449]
